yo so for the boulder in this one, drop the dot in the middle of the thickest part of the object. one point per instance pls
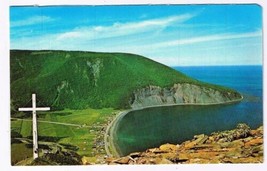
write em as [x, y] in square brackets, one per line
[136, 154]
[123, 160]
[163, 161]
[168, 147]
[254, 142]
[173, 157]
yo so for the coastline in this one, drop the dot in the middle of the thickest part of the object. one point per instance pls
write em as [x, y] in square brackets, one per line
[108, 137]
[239, 145]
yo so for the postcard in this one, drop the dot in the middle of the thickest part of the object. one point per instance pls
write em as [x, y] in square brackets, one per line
[125, 85]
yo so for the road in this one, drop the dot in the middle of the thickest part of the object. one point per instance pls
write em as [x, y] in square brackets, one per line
[58, 123]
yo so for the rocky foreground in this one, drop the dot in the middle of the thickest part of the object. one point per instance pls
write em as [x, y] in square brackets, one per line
[241, 145]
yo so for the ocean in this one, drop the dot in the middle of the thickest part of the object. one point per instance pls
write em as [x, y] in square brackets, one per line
[151, 127]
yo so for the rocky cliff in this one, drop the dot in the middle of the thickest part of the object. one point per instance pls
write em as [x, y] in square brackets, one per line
[181, 93]
[240, 145]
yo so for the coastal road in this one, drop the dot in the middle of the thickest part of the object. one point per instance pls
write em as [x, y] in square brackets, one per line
[58, 123]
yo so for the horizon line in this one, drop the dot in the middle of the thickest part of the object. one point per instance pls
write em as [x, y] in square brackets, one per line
[215, 65]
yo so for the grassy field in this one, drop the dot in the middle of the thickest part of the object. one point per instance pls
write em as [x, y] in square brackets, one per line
[83, 137]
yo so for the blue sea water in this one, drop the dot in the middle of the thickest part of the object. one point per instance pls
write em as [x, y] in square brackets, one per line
[151, 127]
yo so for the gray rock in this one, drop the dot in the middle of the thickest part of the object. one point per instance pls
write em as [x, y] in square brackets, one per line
[181, 93]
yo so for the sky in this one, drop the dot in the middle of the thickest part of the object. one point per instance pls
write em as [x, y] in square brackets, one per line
[175, 35]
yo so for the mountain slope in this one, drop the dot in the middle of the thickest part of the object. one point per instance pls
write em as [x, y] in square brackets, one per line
[72, 79]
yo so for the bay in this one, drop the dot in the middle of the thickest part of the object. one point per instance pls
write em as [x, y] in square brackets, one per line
[151, 127]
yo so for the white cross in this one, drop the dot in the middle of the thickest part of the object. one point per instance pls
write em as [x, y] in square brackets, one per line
[34, 123]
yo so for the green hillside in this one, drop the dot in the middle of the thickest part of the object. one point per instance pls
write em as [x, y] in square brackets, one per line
[78, 80]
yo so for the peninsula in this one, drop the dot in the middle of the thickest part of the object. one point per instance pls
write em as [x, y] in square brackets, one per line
[81, 85]
[78, 80]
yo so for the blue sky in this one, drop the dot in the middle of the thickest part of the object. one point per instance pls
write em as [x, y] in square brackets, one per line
[175, 35]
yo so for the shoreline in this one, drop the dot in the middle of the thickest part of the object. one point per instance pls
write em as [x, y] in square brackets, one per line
[108, 137]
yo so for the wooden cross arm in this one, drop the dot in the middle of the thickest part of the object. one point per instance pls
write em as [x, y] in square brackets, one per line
[34, 109]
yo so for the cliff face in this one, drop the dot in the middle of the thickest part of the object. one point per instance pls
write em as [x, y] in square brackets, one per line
[181, 93]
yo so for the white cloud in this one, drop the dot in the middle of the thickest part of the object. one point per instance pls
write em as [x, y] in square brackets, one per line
[69, 35]
[208, 38]
[123, 29]
[206, 43]
[87, 38]
[31, 21]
